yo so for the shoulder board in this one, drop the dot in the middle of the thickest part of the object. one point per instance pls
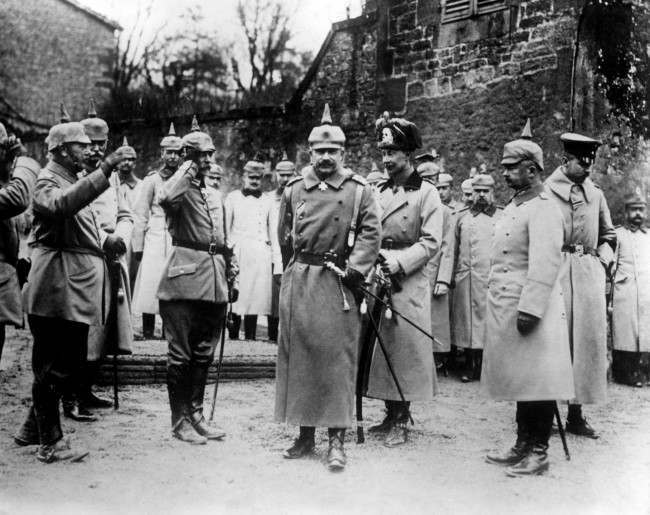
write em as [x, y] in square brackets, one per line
[462, 209]
[358, 178]
[430, 181]
[295, 180]
[499, 206]
[596, 185]
[151, 172]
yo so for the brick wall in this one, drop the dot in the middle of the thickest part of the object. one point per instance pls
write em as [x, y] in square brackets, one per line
[61, 53]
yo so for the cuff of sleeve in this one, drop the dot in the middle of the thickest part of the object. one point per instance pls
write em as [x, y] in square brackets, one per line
[534, 298]
[605, 254]
[98, 180]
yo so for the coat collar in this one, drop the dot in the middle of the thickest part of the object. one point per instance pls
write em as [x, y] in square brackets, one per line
[130, 181]
[413, 182]
[61, 171]
[166, 173]
[335, 180]
[561, 185]
[489, 210]
[528, 194]
[634, 228]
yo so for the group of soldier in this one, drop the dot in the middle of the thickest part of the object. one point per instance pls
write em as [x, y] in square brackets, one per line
[337, 263]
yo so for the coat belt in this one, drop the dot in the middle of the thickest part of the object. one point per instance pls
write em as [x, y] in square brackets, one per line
[318, 259]
[210, 248]
[579, 249]
[389, 244]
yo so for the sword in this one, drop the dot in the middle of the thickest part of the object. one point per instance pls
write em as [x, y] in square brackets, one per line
[226, 319]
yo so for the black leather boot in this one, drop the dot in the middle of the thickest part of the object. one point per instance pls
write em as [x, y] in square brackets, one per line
[72, 409]
[234, 325]
[303, 445]
[388, 421]
[198, 378]
[515, 454]
[398, 434]
[179, 402]
[250, 327]
[336, 458]
[477, 363]
[274, 322]
[534, 463]
[88, 399]
[468, 371]
[148, 325]
[577, 424]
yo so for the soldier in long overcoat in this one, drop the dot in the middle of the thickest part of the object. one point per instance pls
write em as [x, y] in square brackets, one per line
[412, 224]
[67, 287]
[631, 296]
[151, 241]
[588, 250]
[526, 357]
[17, 178]
[249, 222]
[331, 214]
[474, 230]
[200, 277]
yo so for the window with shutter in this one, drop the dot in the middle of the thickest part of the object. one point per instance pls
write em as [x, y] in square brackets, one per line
[488, 6]
[459, 9]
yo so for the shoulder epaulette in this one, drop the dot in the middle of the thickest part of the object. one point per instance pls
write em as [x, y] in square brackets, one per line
[151, 172]
[295, 180]
[499, 206]
[429, 180]
[358, 178]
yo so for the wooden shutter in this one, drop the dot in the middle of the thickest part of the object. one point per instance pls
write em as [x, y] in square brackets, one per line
[457, 9]
[488, 6]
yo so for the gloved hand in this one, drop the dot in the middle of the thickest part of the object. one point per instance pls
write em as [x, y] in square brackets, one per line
[233, 295]
[526, 322]
[23, 267]
[352, 278]
[137, 256]
[111, 161]
[14, 148]
[388, 262]
[440, 289]
[114, 245]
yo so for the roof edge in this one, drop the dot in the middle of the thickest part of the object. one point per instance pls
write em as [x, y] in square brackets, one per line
[94, 14]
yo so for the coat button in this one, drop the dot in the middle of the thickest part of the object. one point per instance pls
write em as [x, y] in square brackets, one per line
[505, 251]
[505, 268]
[336, 218]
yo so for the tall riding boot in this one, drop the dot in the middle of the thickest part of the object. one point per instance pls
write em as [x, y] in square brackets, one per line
[198, 378]
[250, 326]
[441, 360]
[477, 363]
[148, 325]
[468, 371]
[87, 398]
[388, 421]
[521, 448]
[273, 328]
[398, 434]
[336, 458]
[233, 327]
[303, 445]
[179, 402]
[540, 421]
[72, 394]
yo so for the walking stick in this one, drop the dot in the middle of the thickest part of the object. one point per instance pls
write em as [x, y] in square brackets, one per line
[220, 362]
[560, 429]
[116, 398]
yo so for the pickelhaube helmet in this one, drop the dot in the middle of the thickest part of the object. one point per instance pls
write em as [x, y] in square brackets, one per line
[444, 179]
[466, 186]
[482, 180]
[171, 141]
[69, 132]
[635, 198]
[523, 149]
[285, 165]
[198, 140]
[397, 134]
[326, 135]
[254, 166]
[96, 128]
[127, 150]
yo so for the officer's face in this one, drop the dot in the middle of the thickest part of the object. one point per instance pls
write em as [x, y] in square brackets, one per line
[518, 175]
[483, 196]
[577, 168]
[252, 181]
[445, 193]
[171, 158]
[326, 160]
[75, 155]
[394, 161]
[468, 197]
[97, 151]
[283, 178]
[126, 166]
[214, 181]
[202, 159]
[636, 214]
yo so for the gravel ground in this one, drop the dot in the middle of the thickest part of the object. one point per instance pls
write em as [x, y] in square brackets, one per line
[136, 467]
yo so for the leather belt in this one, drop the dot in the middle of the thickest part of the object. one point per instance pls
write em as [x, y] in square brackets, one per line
[580, 250]
[389, 244]
[210, 248]
[317, 259]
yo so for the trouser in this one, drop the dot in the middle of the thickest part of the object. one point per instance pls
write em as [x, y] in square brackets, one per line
[58, 354]
[193, 329]
[148, 324]
[473, 363]
[2, 339]
[250, 326]
[631, 368]
[535, 420]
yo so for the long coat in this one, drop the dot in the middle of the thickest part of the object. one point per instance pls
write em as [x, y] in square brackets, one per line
[525, 267]
[587, 222]
[318, 340]
[196, 214]
[249, 223]
[15, 197]
[151, 237]
[474, 233]
[412, 218]
[68, 278]
[631, 295]
[442, 272]
[114, 216]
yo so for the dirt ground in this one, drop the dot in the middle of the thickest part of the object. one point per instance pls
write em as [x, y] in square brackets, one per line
[136, 467]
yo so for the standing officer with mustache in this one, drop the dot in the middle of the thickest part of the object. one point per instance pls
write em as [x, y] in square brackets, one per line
[587, 255]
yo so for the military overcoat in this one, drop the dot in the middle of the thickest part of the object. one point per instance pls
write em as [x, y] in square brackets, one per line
[68, 278]
[525, 267]
[587, 223]
[318, 340]
[412, 217]
[15, 197]
[474, 232]
[631, 295]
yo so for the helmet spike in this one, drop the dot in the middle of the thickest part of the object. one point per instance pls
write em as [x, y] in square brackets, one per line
[64, 116]
[527, 133]
[326, 118]
[125, 143]
[172, 131]
[195, 125]
[92, 110]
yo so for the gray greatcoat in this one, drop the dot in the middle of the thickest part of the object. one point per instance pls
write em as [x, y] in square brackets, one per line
[587, 222]
[318, 340]
[15, 197]
[525, 266]
[412, 218]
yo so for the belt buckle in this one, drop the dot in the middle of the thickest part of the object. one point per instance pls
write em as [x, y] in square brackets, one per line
[212, 249]
[580, 250]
